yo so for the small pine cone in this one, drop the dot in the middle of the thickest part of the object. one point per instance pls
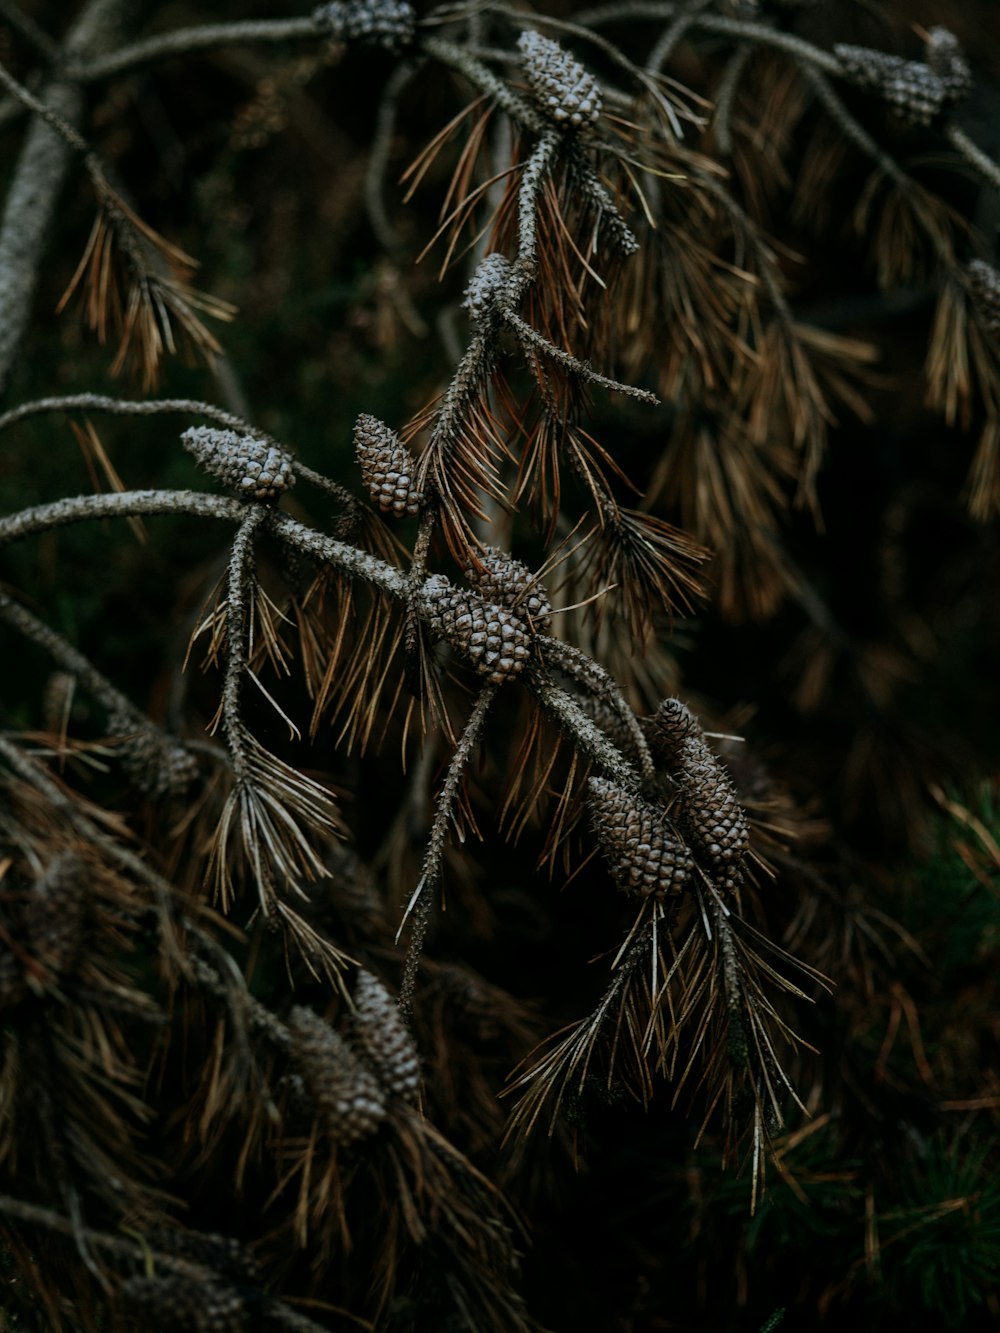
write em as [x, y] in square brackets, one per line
[222, 1254]
[176, 1303]
[913, 90]
[55, 918]
[947, 60]
[391, 24]
[388, 469]
[711, 816]
[485, 285]
[670, 728]
[645, 857]
[610, 722]
[347, 894]
[471, 1003]
[494, 638]
[156, 764]
[383, 1039]
[567, 93]
[343, 1090]
[252, 468]
[984, 288]
[507, 582]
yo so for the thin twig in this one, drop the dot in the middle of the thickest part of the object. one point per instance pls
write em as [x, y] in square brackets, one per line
[981, 163]
[33, 33]
[421, 900]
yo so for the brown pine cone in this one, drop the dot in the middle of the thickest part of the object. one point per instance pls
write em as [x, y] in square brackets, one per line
[494, 638]
[155, 763]
[388, 469]
[56, 917]
[507, 582]
[383, 1039]
[486, 285]
[345, 1092]
[644, 855]
[710, 814]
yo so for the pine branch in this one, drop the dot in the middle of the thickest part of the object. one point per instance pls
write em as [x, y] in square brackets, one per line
[190, 41]
[37, 178]
[161, 760]
[421, 900]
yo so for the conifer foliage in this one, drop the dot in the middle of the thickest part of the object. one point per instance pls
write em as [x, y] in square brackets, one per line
[489, 841]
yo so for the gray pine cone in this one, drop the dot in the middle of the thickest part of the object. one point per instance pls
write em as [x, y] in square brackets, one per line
[252, 468]
[388, 469]
[485, 285]
[223, 1254]
[507, 582]
[492, 637]
[710, 816]
[390, 24]
[155, 763]
[644, 855]
[565, 91]
[56, 919]
[383, 1039]
[180, 1304]
[984, 288]
[610, 722]
[947, 60]
[345, 1092]
[912, 89]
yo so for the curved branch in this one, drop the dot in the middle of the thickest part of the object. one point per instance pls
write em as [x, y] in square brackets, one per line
[198, 504]
[119, 706]
[187, 41]
[97, 402]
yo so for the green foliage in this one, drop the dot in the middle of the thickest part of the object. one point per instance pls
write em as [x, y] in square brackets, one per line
[943, 1246]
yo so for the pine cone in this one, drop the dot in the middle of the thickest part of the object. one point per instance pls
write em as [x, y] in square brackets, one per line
[56, 918]
[345, 1092]
[471, 1003]
[610, 722]
[507, 582]
[224, 1255]
[644, 855]
[711, 817]
[485, 285]
[383, 1038]
[567, 93]
[947, 60]
[984, 288]
[911, 88]
[177, 1303]
[252, 468]
[156, 764]
[388, 469]
[390, 24]
[494, 638]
